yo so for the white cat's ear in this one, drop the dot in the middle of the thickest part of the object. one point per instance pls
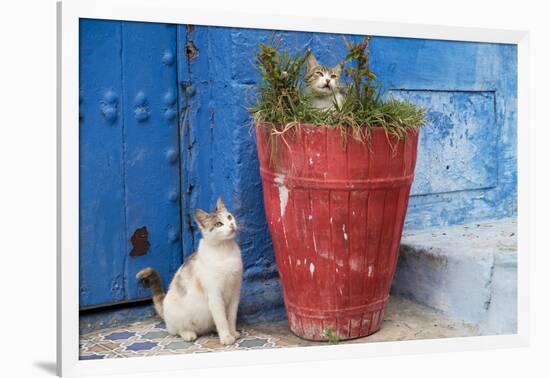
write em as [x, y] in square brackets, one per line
[220, 205]
[338, 68]
[200, 217]
[311, 62]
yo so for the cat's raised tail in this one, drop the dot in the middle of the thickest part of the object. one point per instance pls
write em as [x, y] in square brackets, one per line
[150, 278]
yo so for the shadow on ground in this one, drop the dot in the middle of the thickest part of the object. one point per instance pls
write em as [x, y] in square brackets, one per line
[47, 366]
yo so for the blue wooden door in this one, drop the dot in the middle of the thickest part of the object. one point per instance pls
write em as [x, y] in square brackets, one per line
[130, 211]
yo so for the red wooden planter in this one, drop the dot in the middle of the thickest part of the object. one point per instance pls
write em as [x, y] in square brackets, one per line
[336, 213]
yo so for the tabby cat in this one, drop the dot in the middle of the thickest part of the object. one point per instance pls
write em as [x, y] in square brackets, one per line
[204, 293]
[323, 84]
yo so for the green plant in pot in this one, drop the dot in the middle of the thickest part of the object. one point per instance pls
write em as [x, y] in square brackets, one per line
[336, 181]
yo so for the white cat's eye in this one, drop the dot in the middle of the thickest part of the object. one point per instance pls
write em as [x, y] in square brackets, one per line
[229, 217]
[319, 73]
[218, 224]
[333, 76]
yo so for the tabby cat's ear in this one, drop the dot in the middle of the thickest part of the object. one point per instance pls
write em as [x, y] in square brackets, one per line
[338, 68]
[200, 217]
[220, 205]
[311, 62]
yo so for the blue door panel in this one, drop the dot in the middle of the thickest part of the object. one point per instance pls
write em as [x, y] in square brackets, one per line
[459, 141]
[102, 229]
[151, 164]
[129, 162]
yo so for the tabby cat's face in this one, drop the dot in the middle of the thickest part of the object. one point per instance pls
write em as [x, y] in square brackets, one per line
[321, 79]
[217, 226]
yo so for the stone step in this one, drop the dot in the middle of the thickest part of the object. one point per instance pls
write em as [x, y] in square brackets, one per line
[468, 272]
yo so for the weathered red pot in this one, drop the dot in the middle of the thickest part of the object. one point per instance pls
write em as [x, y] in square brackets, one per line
[336, 212]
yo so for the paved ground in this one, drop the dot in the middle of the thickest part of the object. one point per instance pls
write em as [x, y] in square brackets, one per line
[405, 320]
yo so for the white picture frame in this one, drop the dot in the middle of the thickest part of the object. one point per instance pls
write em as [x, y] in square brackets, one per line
[174, 11]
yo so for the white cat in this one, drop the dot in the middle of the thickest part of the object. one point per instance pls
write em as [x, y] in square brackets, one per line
[323, 84]
[204, 293]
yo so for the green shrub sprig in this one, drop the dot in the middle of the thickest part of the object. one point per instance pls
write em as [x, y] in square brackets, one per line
[283, 105]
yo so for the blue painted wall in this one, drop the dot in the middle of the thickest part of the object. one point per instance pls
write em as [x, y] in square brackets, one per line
[466, 169]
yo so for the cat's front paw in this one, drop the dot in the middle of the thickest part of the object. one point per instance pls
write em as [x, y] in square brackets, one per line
[235, 334]
[227, 339]
[188, 335]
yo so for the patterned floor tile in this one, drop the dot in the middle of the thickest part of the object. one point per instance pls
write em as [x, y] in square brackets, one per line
[253, 343]
[151, 338]
[155, 335]
[147, 345]
[120, 335]
[92, 357]
[405, 321]
[178, 345]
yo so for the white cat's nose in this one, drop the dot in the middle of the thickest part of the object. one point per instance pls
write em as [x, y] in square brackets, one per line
[328, 81]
